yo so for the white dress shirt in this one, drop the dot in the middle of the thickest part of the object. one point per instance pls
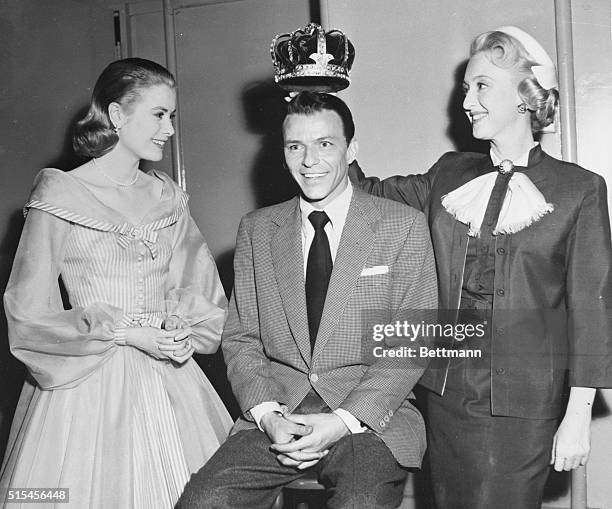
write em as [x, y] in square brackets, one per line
[336, 211]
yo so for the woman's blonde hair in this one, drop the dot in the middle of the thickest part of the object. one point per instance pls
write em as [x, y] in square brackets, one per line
[507, 52]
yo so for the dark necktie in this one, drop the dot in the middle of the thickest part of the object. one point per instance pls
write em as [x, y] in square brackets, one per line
[484, 272]
[318, 271]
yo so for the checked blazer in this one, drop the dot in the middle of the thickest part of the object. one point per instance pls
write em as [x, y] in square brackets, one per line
[266, 343]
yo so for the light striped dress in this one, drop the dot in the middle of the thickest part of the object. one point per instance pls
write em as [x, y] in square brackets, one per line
[118, 428]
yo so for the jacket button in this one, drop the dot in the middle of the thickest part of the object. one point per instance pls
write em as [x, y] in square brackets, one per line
[390, 413]
[382, 424]
[500, 331]
[314, 378]
[386, 418]
[500, 291]
[501, 250]
[500, 371]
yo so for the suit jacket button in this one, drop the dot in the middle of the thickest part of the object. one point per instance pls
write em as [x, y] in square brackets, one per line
[500, 291]
[382, 424]
[314, 378]
[386, 418]
[500, 371]
[390, 413]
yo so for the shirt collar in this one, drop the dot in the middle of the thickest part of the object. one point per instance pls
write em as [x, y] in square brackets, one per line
[519, 161]
[336, 210]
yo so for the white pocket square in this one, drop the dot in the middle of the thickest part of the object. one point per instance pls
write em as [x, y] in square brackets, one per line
[377, 269]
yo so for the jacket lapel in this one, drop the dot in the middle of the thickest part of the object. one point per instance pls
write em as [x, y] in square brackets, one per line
[288, 262]
[356, 243]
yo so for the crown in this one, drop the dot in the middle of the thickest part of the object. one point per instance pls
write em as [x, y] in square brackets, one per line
[312, 59]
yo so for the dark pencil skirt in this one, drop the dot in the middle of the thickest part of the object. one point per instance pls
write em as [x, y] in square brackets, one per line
[478, 460]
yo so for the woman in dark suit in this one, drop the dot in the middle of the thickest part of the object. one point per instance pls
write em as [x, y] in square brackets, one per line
[522, 246]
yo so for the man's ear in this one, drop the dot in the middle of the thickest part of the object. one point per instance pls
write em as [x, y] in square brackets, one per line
[351, 151]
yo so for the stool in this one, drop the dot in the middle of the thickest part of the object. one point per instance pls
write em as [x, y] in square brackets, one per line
[306, 484]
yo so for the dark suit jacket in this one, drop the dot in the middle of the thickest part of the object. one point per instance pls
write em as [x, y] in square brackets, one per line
[266, 342]
[552, 309]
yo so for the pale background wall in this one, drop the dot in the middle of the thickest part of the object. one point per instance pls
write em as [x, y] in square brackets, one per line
[407, 73]
[593, 67]
[403, 96]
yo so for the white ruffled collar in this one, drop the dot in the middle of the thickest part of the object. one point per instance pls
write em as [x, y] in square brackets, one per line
[523, 203]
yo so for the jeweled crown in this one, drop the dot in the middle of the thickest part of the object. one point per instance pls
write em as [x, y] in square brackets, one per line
[311, 59]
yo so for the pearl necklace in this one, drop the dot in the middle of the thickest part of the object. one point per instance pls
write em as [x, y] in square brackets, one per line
[116, 182]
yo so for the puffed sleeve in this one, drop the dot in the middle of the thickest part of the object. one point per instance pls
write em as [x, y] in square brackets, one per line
[59, 347]
[193, 288]
[589, 291]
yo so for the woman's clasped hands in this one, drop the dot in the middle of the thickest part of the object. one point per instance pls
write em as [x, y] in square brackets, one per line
[170, 343]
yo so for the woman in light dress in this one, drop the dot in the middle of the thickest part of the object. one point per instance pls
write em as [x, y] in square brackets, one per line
[114, 408]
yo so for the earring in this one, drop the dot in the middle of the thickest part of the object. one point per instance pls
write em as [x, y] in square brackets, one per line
[522, 108]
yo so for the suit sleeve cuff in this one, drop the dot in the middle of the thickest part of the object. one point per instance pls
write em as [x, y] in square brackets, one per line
[350, 421]
[258, 411]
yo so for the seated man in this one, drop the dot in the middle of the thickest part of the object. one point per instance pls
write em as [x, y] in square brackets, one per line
[305, 273]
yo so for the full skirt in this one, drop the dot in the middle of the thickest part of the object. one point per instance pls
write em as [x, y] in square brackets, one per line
[128, 436]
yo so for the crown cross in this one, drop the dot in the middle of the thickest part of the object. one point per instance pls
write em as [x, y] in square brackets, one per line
[321, 59]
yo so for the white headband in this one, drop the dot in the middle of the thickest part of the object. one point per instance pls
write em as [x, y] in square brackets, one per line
[545, 72]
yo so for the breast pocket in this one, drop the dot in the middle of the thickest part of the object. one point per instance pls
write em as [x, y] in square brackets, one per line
[374, 279]
[372, 295]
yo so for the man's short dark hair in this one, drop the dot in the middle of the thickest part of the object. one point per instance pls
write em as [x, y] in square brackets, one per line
[307, 103]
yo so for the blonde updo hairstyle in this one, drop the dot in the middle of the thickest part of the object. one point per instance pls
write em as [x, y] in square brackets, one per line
[507, 52]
